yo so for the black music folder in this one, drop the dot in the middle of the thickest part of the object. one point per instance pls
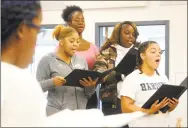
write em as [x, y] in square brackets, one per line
[73, 79]
[169, 91]
[126, 66]
[184, 83]
[128, 63]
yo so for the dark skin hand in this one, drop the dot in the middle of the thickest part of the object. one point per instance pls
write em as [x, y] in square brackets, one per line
[88, 82]
[172, 104]
[127, 105]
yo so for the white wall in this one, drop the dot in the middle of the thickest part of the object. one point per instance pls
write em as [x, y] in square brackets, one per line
[174, 11]
[154, 10]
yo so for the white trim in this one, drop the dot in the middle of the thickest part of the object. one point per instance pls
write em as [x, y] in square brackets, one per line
[166, 3]
[87, 5]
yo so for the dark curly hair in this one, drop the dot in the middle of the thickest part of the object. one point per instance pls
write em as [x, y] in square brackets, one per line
[68, 11]
[115, 36]
[15, 12]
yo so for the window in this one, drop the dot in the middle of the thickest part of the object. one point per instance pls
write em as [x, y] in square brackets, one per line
[148, 30]
[45, 44]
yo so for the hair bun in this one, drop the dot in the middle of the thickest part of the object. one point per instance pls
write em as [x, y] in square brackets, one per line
[57, 31]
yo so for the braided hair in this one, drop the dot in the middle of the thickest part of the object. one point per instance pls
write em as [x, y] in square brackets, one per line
[13, 13]
[142, 48]
[68, 12]
[115, 36]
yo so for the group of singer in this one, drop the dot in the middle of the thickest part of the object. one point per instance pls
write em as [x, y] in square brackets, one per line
[130, 92]
[21, 22]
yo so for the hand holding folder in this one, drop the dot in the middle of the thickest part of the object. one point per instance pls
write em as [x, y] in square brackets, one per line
[126, 66]
[169, 91]
[73, 79]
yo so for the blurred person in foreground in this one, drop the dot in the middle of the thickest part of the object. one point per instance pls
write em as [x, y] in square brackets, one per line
[22, 99]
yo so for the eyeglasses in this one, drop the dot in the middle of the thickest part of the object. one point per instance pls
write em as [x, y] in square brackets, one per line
[41, 30]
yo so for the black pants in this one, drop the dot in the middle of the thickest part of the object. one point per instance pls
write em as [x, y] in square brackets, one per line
[92, 102]
[108, 110]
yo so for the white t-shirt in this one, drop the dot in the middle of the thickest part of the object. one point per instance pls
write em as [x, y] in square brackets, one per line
[140, 88]
[21, 98]
[23, 105]
[121, 52]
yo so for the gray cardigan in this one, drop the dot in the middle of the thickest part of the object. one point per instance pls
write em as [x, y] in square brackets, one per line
[62, 97]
